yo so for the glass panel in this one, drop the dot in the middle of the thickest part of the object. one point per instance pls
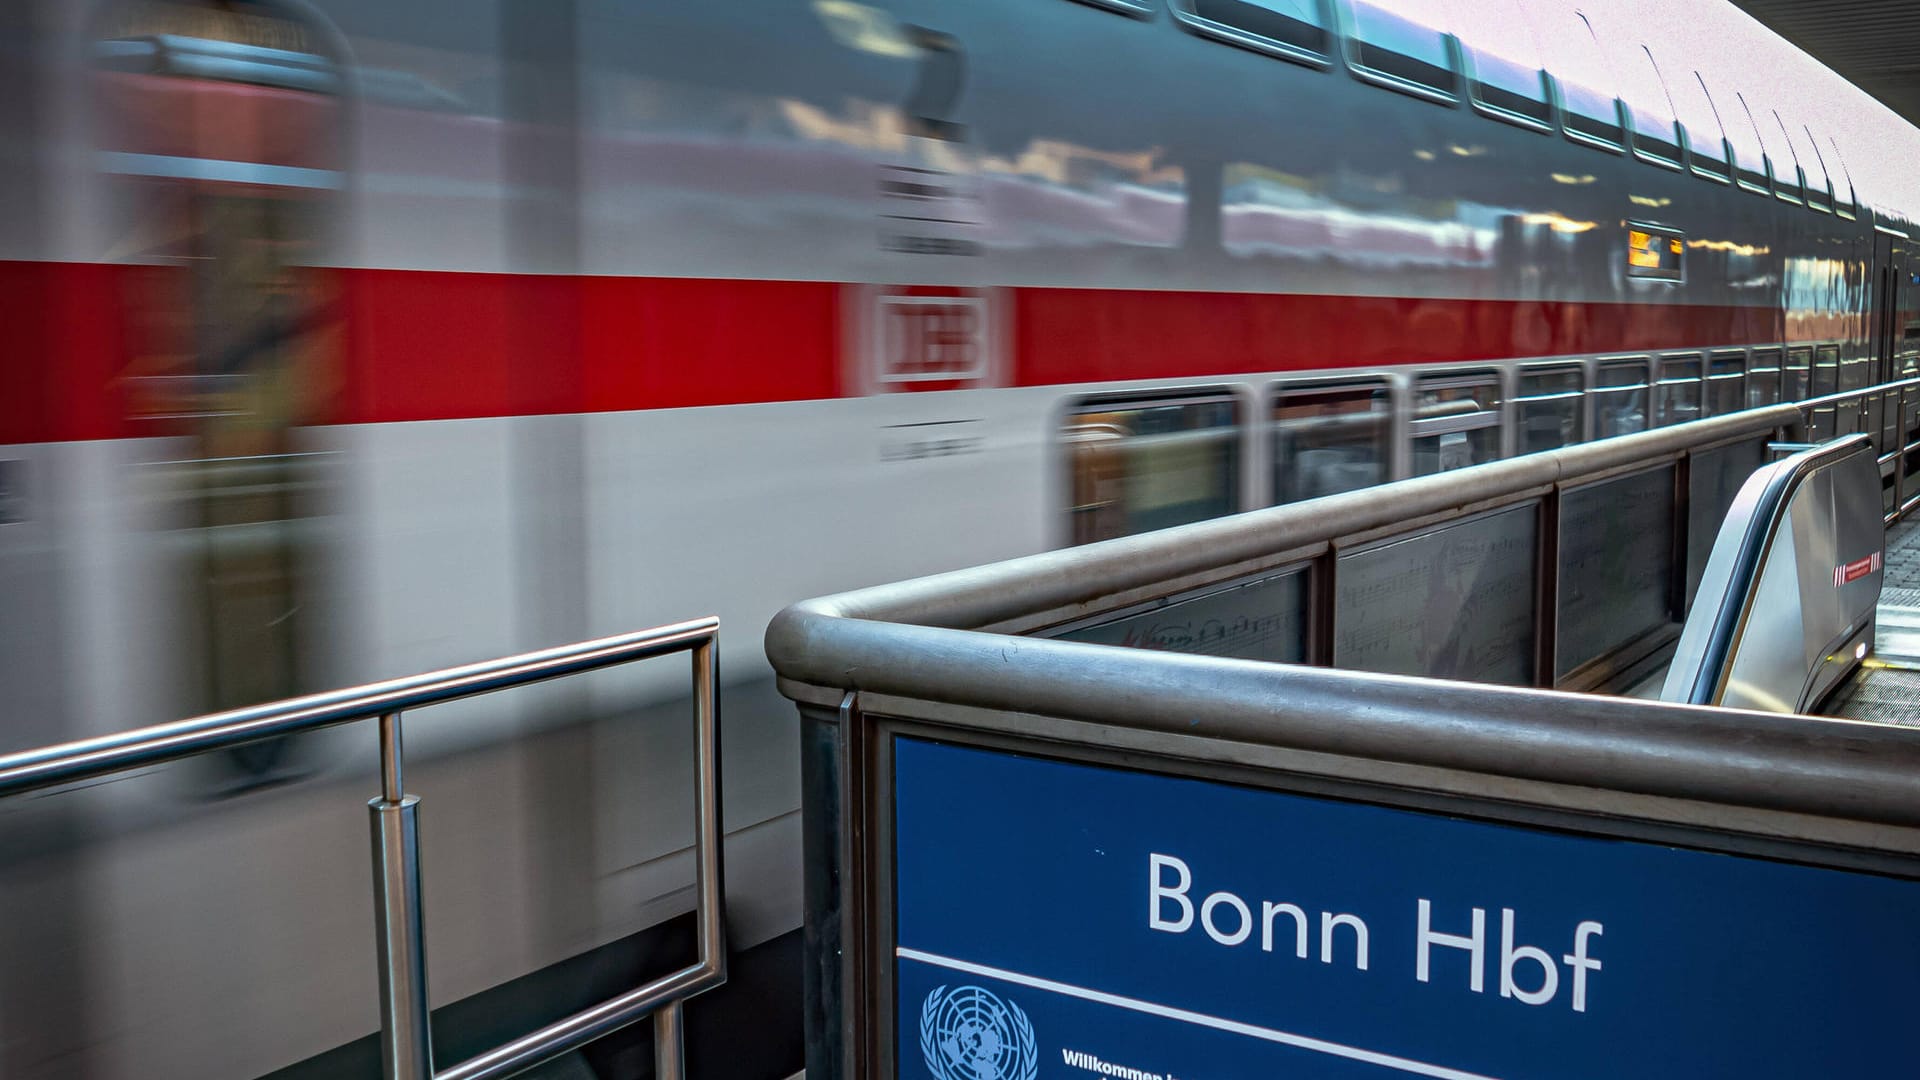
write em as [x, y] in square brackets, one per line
[1616, 564]
[1140, 466]
[1261, 619]
[1620, 400]
[1798, 381]
[1678, 397]
[1726, 379]
[1549, 408]
[1714, 478]
[1456, 423]
[1819, 194]
[1763, 378]
[1586, 82]
[1700, 123]
[1294, 24]
[1749, 149]
[1453, 603]
[1649, 107]
[1405, 39]
[1505, 58]
[1330, 439]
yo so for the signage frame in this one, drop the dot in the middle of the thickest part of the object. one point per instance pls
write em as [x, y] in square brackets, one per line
[877, 832]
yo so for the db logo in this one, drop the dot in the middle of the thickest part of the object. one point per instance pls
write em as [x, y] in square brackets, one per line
[926, 337]
[932, 339]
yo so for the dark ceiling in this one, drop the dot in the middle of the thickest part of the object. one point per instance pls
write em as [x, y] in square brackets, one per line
[1875, 44]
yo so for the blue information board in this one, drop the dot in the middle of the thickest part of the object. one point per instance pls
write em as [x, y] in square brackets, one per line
[1069, 921]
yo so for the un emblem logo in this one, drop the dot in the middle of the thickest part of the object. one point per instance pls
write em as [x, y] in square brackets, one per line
[970, 1034]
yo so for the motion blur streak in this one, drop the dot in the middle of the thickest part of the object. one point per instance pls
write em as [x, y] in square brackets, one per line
[344, 339]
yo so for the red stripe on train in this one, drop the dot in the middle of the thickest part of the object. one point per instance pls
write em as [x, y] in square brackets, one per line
[1089, 335]
[419, 345]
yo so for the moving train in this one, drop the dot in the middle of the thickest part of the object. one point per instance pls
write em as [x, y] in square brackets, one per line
[344, 339]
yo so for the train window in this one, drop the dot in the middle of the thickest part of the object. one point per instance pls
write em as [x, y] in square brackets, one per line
[1797, 377]
[1140, 465]
[1402, 44]
[1504, 68]
[1819, 182]
[1456, 422]
[1700, 126]
[1620, 398]
[1589, 109]
[1750, 166]
[1856, 371]
[1655, 253]
[1826, 370]
[1290, 29]
[1548, 407]
[1125, 7]
[1651, 110]
[1332, 438]
[1785, 160]
[1845, 207]
[1763, 378]
[1677, 395]
[1726, 382]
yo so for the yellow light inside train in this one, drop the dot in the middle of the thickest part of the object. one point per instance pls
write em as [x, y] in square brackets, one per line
[1647, 259]
[1637, 240]
[1558, 222]
[1673, 246]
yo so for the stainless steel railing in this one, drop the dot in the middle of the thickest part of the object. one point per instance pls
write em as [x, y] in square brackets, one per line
[406, 1050]
[1889, 413]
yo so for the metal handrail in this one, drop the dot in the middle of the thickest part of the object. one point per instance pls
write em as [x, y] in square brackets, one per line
[1809, 429]
[405, 1043]
[1900, 385]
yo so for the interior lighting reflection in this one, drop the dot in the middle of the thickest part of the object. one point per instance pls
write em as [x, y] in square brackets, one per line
[1728, 246]
[1647, 200]
[1424, 155]
[1466, 151]
[1569, 178]
[1559, 223]
[869, 29]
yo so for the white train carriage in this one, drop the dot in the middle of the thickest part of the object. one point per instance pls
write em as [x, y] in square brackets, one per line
[345, 339]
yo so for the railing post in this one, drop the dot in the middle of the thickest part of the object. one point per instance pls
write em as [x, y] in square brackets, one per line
[669, 1048]
[406, 1047]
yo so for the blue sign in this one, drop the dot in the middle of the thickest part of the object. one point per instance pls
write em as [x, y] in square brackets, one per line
[1059, 921]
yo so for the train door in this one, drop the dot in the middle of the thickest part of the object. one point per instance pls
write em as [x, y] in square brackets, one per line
[1888, 268]
[1889, 257]
[221, 133]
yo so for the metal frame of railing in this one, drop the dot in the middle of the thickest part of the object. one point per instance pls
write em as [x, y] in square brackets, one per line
[1059, 590]
[965, 657]
[919, 658]
[1866, 411]
[406, 1051]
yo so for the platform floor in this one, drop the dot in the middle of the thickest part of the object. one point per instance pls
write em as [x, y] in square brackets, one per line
[1897, 636]
[1887, 687]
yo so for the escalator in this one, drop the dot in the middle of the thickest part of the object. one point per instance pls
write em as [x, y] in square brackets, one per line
[1809, 603]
